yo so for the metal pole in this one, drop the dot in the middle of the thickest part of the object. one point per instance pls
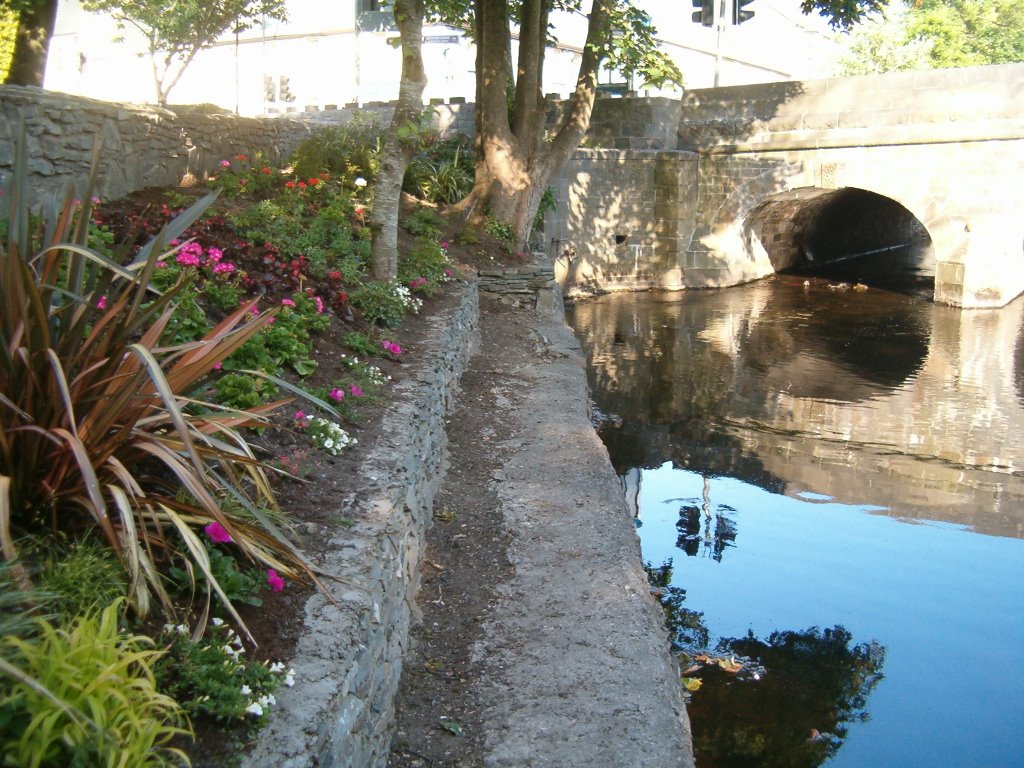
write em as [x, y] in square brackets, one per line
[724, 16]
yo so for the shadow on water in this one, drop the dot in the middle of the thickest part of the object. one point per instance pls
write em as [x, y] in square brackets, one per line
[788, 386]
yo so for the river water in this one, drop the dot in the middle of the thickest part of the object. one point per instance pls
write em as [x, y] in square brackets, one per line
[829, 487]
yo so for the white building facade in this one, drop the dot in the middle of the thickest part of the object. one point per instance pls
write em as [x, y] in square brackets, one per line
[337, 53]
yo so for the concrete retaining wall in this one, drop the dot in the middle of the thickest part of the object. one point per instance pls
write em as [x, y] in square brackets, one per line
[142, 146]
[349, 659]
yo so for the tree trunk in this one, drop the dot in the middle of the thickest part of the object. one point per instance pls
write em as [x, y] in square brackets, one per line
[514, 166]
[401, 143]
[32, 43]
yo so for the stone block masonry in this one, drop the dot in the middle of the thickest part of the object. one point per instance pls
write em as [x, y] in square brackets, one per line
[349, 658]
[142, 146]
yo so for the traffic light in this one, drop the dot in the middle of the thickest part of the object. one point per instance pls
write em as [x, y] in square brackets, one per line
[706, 13]
[285, 89]
[738, 14]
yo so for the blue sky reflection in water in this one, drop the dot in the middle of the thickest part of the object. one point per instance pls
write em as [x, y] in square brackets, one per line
[831, 513]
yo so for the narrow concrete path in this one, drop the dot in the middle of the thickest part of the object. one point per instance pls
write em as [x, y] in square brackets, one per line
[571, 665]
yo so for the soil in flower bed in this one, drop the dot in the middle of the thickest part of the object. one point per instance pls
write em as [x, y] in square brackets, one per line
[310, 502]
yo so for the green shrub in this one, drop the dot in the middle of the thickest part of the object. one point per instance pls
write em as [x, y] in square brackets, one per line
[240, 586]
[442, 173]
[427, 260]
[361, 344]
[383, 303]
[548, 202]
[424, 222]
[499, 230]
[242, 391]
[86, 695]
[82, 577]
[350, 150]
[210, 679]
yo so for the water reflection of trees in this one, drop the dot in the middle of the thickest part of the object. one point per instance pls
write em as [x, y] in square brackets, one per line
[797, 714]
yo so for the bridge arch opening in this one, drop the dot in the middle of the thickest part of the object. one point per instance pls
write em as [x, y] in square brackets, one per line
[847, 235]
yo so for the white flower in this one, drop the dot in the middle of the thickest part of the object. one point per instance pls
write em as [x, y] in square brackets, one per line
[216, 622]
[246, 690]
[255, 709]
[289, 679]
[328, 443]
[360, 181]
[277, 666]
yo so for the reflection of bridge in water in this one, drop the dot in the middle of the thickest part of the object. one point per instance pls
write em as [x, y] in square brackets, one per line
[890, 402]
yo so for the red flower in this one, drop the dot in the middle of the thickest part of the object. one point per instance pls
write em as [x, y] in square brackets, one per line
[265, 171]
[301, 185]
[313, 182]
[290, 184]
[242, 158]
[325, 176]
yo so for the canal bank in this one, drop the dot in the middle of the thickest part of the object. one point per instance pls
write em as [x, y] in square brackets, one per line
[534, 638]
[564, 661]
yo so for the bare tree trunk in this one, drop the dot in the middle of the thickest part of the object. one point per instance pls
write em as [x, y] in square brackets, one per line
[32, 44]
[401, 143]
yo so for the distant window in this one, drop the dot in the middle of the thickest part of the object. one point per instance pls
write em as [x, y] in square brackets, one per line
[367, 5]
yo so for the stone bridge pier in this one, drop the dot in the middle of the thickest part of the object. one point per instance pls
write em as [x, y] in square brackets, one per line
[919, 175]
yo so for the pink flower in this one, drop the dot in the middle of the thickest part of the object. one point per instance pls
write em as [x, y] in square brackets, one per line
[337, 394]
[390, 346]
[416, 282]
[300, 416]
[102, 303]
[287, 303]
[215, 254]
[276, 582]
[319, 305]
[355, 391]
[225, 163]
[218, 533]
[444, 245]
[217, 366]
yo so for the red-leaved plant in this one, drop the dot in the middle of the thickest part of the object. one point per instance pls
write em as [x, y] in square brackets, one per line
[97, 426]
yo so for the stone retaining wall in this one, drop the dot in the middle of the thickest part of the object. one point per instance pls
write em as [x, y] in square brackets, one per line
[532, 285]
[349, 659]
[143, 146]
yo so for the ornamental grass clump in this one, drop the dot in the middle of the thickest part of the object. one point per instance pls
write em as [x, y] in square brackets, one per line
[86, 695]
[99, 430]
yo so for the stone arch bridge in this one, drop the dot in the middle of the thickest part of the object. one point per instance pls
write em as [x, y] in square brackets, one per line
[917, 177]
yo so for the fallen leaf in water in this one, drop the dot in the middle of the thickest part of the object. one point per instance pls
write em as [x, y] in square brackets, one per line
[690, 670]
[730, 665]
[692, 683]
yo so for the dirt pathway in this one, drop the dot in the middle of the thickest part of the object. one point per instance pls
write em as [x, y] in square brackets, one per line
[540, 644]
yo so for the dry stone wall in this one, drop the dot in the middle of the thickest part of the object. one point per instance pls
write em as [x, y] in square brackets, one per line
[142, 146]
[349, 658]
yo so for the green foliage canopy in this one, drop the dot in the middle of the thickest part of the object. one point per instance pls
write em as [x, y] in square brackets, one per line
[938, 34]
